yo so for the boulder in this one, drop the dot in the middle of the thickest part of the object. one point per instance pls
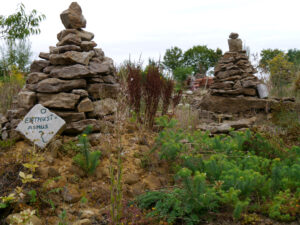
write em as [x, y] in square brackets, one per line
[59, 101]
[16, 113]
[233, 35]
[79, 126]
[83, 93]
[38, 65]
[44, 55]
[249, 83]
[36, 77]
[26, 99]
[102, 91]
[103, 107]
[72, 17]
[85, 105]
[88, 45]
[84, 35]
[70, 72]
[109, 79]
[65, 48]
[70, 39]
[54, 85]
[235, 45]
[70, 194]
[105, 67]
[71, 57]
[70, 116]
[99, 53]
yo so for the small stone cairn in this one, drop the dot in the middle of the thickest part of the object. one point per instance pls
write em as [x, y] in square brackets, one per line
[74, 80]
[234, 74]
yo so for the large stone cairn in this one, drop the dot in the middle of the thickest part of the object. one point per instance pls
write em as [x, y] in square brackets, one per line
[74, 80]
[234, 74]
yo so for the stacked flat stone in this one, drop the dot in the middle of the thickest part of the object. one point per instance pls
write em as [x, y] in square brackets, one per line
[234, 74]
[74, 80]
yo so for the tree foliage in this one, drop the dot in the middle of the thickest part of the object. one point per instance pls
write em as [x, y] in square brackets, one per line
[201, 58]
[173, 58]
[20, 25]
[267, 55]
[281, 70]
[293, 56]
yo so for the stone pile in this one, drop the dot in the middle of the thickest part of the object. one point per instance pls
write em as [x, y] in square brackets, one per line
[234, 74]
[74, 80]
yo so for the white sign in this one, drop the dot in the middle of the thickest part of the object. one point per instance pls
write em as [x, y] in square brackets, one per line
[40, 125]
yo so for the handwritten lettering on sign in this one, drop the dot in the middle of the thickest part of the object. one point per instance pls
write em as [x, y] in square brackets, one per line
[40, 125]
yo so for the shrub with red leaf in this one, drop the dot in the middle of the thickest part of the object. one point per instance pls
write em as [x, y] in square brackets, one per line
[167, 90]
[176, 99]
[134, 85]
[152, 92]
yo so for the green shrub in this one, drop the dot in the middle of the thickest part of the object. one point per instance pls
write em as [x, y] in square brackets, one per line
[85, 159]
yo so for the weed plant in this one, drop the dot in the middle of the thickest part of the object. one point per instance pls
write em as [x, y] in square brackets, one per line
[86, 159]
[241, 172]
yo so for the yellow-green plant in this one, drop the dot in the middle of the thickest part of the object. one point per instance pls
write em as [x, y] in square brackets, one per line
[23, 218]
[26, 178]
[6, 200]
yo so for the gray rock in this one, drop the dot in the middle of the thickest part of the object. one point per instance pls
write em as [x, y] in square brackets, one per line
[79, 127]
[52, 172]
[233, 35]
[54, 85]
[99, 53]
[26, 99]
[16, 113]
[102, 91]
[237, 85]
[70, 72]
[36, 77]
[103, 107]
[59, 101]
[65, 48]
[249, 83]
[85, 105]
[105, 67]
[88, 45]
[70, 195]
[3, 119]
[84, 35]
[71, 57]
[131, 178]
[72, 17]
[48, 69]
[95, 80]
[83, 222]
[81, 92]
[38, 65]
[235, 45]
[44, 55]
[109, 79]
[70, 39]
[70, 116]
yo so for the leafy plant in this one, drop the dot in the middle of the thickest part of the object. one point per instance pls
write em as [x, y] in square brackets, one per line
[63, 218]
[26, 178]
[6, 200]
[32, 194]
[87, 160]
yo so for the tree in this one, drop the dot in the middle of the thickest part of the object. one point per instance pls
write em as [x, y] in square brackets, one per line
[15, 54]
[180, 74]
[293, 56]
[201, 58]
[173, 58]
[20, 25]
[15, 30]
[281, 72]
[267, 55]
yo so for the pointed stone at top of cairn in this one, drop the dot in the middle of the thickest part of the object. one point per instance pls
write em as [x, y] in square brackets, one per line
[72, 18]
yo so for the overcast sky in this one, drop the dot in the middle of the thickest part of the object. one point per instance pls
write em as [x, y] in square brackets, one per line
[148, 28]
